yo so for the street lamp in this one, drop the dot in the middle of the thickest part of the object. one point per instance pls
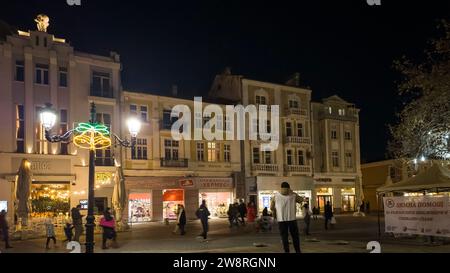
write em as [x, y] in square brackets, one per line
[92, 136]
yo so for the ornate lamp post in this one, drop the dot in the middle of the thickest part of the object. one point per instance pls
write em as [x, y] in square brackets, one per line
[92, 136]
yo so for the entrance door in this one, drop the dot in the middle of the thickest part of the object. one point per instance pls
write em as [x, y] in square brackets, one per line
[322, 201]
[348, 203]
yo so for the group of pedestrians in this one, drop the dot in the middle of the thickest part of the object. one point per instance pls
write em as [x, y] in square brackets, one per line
[238, 212]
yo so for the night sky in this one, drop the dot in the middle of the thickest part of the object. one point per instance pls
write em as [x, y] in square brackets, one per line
[339, 47]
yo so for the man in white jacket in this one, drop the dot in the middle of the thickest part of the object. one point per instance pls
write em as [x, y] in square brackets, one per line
[283, 207]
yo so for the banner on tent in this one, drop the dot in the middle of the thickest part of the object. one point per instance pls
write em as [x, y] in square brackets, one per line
[423, 215]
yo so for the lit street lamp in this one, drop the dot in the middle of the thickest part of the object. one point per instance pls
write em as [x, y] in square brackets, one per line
[92, 136]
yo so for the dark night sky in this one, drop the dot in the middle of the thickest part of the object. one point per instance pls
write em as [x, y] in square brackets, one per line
[340, 47]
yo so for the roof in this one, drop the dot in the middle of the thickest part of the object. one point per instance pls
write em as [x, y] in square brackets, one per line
[436, 177]
[335, 99]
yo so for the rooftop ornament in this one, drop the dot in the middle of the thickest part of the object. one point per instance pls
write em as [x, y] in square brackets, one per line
[42, 22]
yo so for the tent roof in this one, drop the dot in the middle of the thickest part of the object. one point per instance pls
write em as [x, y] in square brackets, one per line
[433, 178]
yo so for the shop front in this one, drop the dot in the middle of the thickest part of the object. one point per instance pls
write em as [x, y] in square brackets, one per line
[323, 196]
[140, 207]
[348, 199]
[268, 186]
[218, 194]
[171, 199]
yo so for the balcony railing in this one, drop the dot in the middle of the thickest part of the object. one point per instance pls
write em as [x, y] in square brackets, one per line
[265, 167]
[297, 139]
[297, 168]
[102, 92]
[174, 163]
[295, 111]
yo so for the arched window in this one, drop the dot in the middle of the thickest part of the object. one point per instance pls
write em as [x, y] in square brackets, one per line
[293, 102]
[261, 97]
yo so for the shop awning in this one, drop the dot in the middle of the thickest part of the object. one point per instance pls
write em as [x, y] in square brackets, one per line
[435, 178]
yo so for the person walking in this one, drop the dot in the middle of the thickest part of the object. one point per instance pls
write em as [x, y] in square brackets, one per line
[68, 232]
[328, 214]
[232, 215]
[181, 220]
[251, 212]
[77, 220]
[283, 207]
[307, 217]
[242, 211]
[50, 230]
[108, 224]
[203, 213]
[4, 228]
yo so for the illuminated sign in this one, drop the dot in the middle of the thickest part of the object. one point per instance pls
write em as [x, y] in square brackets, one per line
[103, 178]
[84, 204]
[187, 183]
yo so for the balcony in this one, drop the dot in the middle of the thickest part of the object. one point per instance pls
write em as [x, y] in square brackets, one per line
[174, 163]
[297, 168]
[295, 111]
[265, 167]
[297, 140]
[102, 92]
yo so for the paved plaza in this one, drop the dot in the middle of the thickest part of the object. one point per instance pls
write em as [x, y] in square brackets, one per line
[350, 235]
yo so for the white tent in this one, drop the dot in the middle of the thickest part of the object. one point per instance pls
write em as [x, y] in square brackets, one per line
[436, 178]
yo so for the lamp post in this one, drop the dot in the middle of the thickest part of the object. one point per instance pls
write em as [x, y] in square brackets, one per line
[93, 136]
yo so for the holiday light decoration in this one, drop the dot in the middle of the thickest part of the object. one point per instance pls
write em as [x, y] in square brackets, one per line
[92, 136]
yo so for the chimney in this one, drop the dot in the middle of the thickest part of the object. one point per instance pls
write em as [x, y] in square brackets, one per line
[174, 90]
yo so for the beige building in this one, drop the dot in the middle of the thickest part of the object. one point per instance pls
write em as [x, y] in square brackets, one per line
[161, 172]
[38, 68]
[319, 152]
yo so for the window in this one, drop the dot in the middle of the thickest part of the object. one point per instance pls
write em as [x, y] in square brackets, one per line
[330, 111]
[45, 41]
[37, 40]
[261, 100]
[41, 142]
[289, 157]
[144, 112]
[348, 135]
[139, 151]
[200, 151]
[101, 85]
[198, 121]
[268, 128]
[288, 129]
[63, 77]
[171, 149]
[133, 109]
[213, 152]
[168, 120]
[300, 130]
[301, 157]
[206, 118]
[228, 124]
[41, 74]
[267, 157]
[104, 157]
[256, 159]
[20, 71]
[20, 129]
[335, 159]
[333, 134]
[341, 112]
[226, 153]
[293, 104]
[63, 129]
[348, 160]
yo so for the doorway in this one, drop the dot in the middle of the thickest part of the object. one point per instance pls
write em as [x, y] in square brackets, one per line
[322, 201]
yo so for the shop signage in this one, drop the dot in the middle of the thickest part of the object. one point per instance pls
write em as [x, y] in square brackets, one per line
[84, 204]
[186, 183]
[215, 183]
[323, 179]
[423, 215]
[103, 178]
[40, 165]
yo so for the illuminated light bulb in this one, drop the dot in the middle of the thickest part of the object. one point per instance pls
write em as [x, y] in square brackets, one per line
[422, 159]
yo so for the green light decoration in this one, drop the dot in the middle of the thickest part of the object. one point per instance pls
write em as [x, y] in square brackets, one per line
[92, 136]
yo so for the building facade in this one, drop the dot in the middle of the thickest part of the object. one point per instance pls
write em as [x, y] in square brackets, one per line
[161, 172]
[37, 68]
[318, 152]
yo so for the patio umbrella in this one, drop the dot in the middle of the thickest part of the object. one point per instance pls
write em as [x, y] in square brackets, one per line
[119, 197]
[22, 191]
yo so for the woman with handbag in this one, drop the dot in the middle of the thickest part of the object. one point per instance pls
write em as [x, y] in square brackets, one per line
[108, 224]
[328, 214]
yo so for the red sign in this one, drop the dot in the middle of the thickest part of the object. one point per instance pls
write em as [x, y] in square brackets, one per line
[187, 183]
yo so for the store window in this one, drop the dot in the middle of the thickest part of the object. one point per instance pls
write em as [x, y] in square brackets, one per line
[140, 207]
[171, 199]
[348, 199]
[49, 200]
[324, 195]
[216, 201]
[100, 204]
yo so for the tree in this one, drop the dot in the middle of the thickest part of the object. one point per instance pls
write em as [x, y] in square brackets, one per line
[423, 125]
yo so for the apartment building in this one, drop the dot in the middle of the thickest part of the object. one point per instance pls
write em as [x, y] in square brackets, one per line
[318, 154]
[161, 172]
[38, 68]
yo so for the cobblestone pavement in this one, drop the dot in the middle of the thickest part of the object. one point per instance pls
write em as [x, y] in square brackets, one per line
[350, 235]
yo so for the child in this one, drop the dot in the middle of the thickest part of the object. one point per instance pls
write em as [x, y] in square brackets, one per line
[50, 232]
[68, 232]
